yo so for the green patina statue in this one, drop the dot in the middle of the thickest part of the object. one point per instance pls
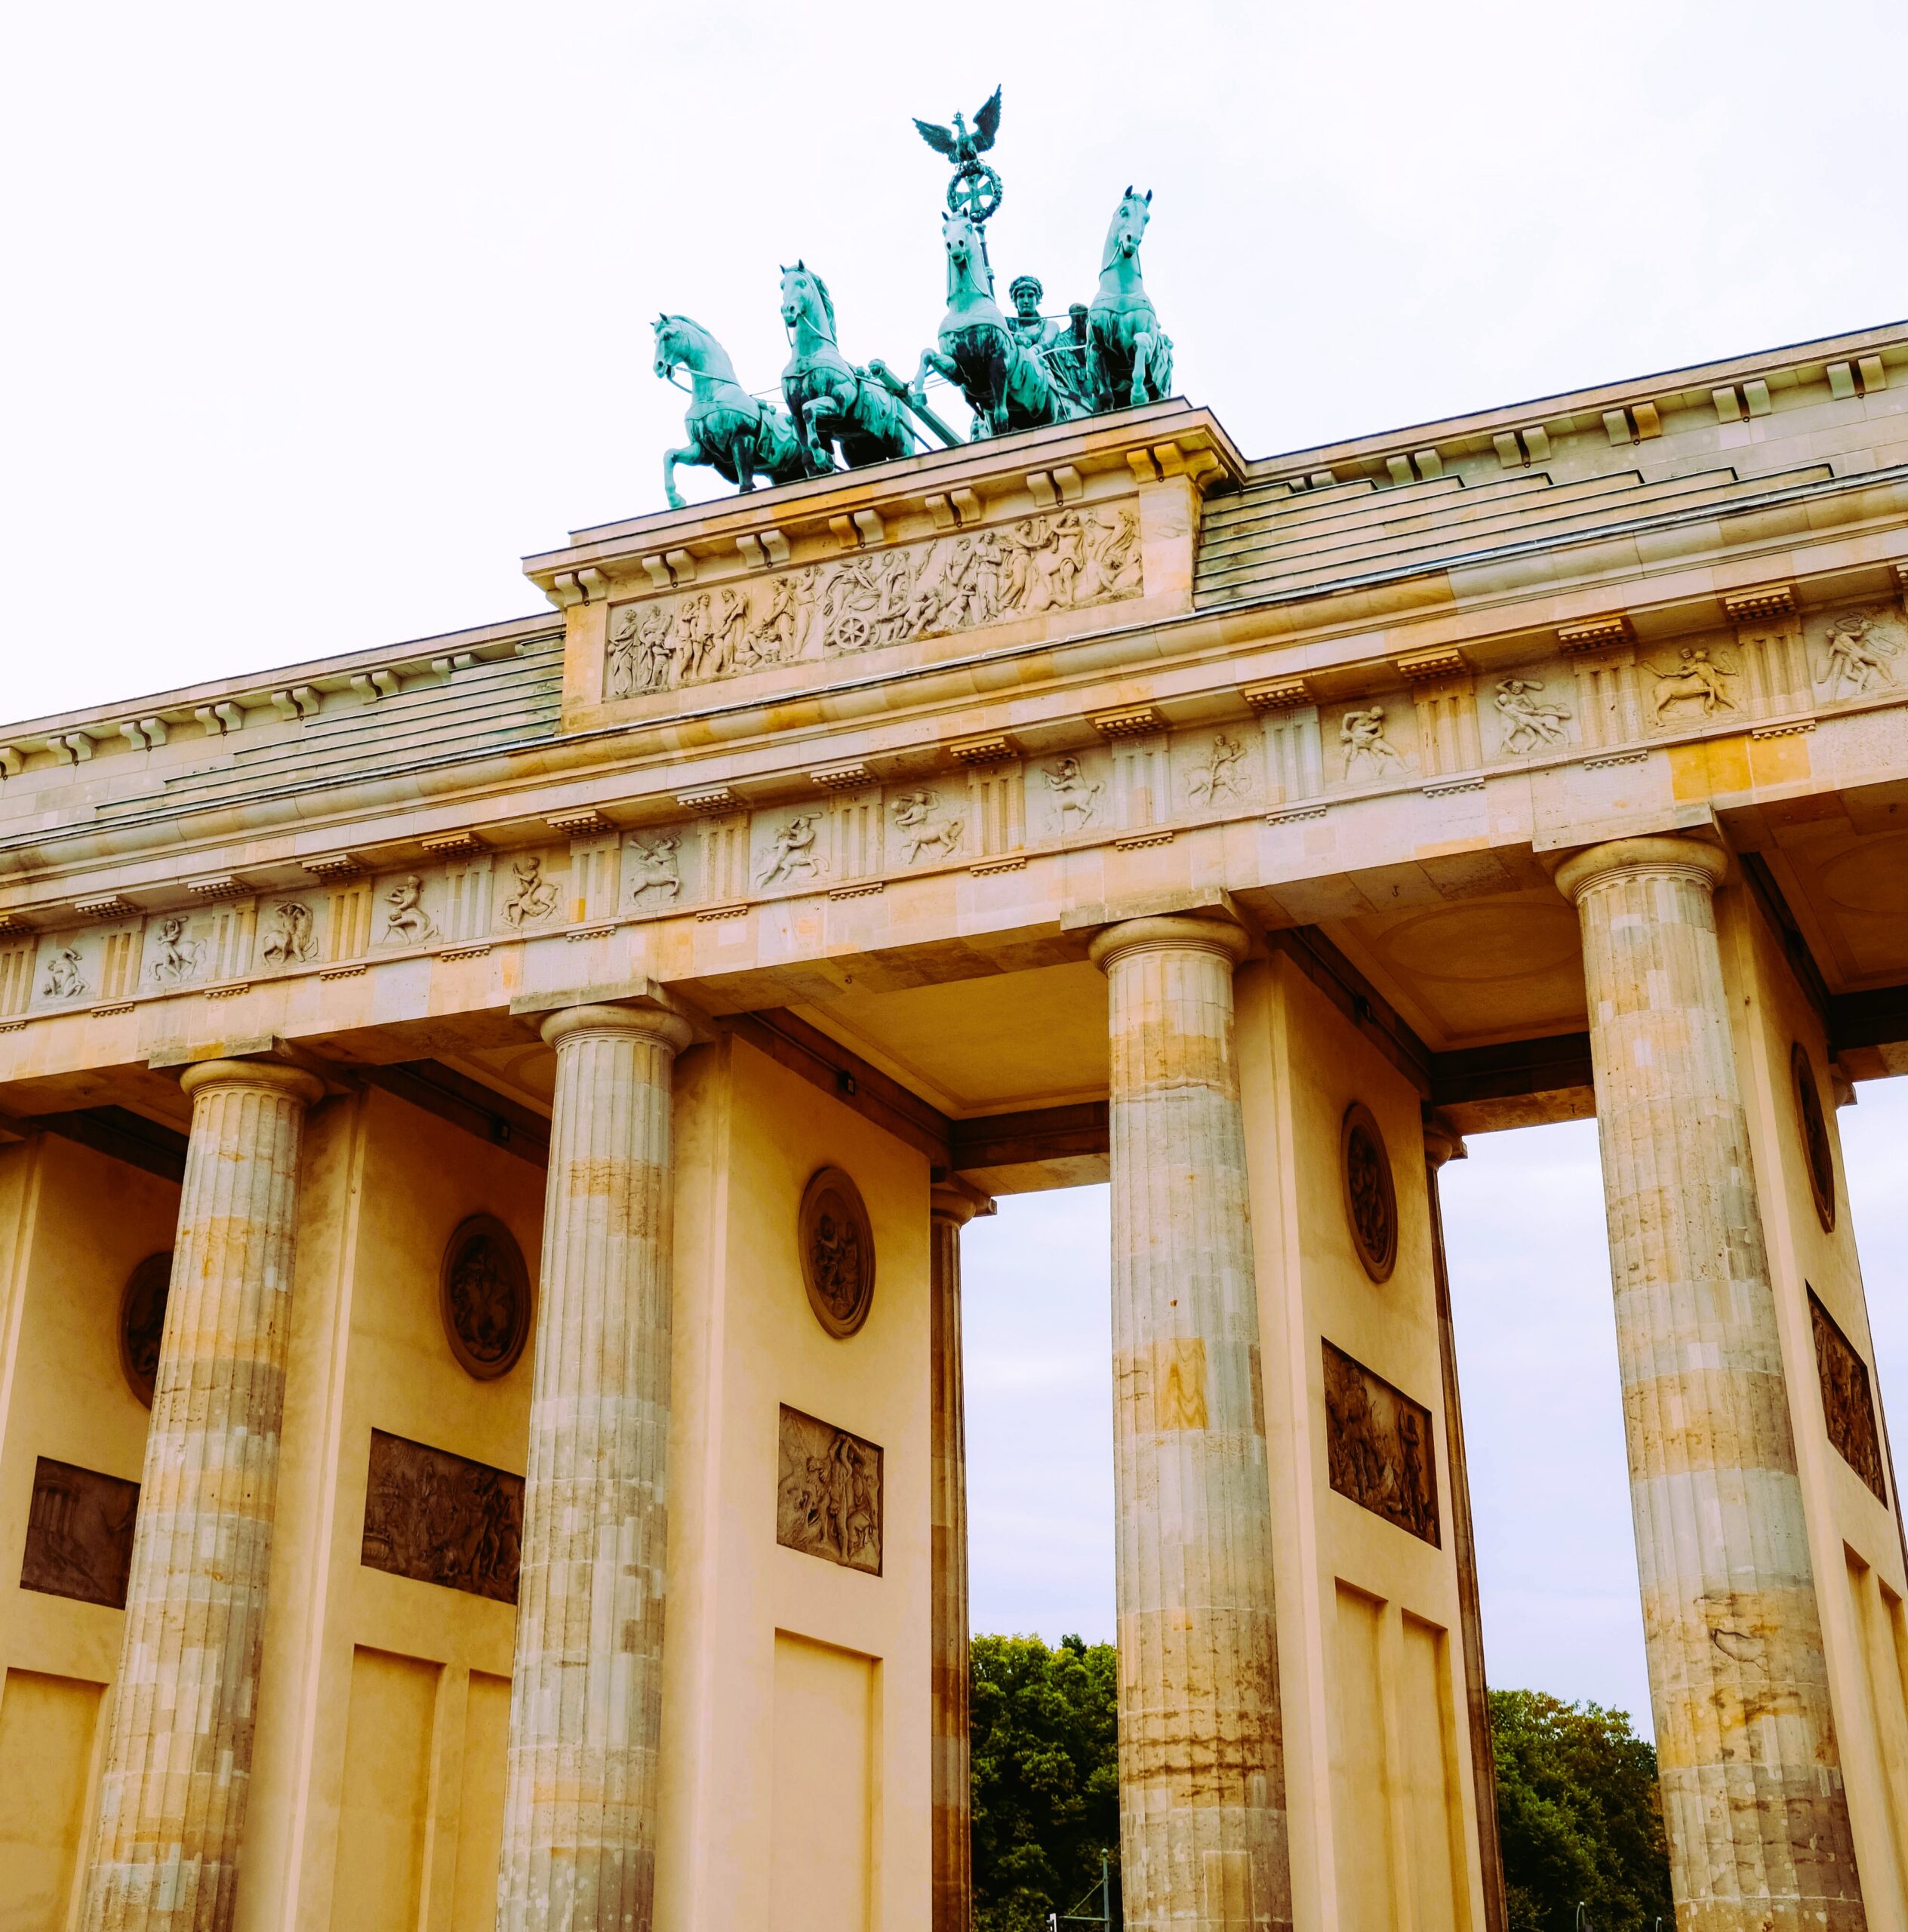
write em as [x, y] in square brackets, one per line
[728, 429]
[831, 400]
[1131, 358]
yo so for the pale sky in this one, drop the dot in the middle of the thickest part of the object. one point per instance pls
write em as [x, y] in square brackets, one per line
[319, 317]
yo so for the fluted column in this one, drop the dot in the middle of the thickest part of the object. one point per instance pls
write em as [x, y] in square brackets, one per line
[1442, 1142]
[178, 1758]
[585, 1696]
[952, 1206]
[1202, 1775]
[1752, 1782]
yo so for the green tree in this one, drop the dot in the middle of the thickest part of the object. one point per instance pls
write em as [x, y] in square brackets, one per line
[1044, 1731]
[1580, 1815]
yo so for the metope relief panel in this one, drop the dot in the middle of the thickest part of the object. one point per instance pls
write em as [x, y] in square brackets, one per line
[67, 972]
[438, 1518]
[654, 868]
[1371, 744]
[1216, 772]
[1061, 561]
[79, 1534]
[1856, 653]
[185, 949]
[408, 910]
[287, 935]
[828, 1502]
[928, 822]
[531, 889]
[1848, 1401]
[1070, 797]
[1530, 713]
[790, 849]
[1378, 1446]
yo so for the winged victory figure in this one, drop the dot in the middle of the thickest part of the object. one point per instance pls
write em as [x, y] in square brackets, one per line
[960, 144]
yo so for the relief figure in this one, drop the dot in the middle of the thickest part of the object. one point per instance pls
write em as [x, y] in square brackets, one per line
[1698, 678]
[921, 831]
[438, 1518]
[407, 923]
[175, 957]
[1857, 656]
[1378, 1445]
[1220, 777]
[828, 1498]
[293, 940]
[1075, 795]
[1527, 724]
[533, 897]
[66, 974]
[654, 867]
[795, 853]
[1361, 733]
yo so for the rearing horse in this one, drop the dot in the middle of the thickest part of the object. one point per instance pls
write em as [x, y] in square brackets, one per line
[830, 399]
[1006, 383]
[1130, 358]
[728, 429]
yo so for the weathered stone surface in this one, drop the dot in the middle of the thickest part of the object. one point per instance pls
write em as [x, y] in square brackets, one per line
[1752, 1779]
[178, 1761]
[586, 1698]
[1202, 1799]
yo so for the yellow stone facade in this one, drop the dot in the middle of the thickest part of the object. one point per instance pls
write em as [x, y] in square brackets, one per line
[559, 1059]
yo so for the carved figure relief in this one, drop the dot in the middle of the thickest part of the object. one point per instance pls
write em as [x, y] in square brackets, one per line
[175, 957]
[794, 855]
[922, 829]
[293, 940]
[1361, 736]
[484, 1294]
[65, 973]
[438, 1518]
[1856, 654]
[837, 1252]
[532, 896]
[1057, 561]
[654, 866]
[1698, 678]
[79, 1534]
[1370, 1200]
[406, 923]
[1529, 726]
[142, 1323]
[1222, 776]
[1848, 1401]
[1075, 796]
[1817, 1156]
[1378, 1446]
[828, 1503]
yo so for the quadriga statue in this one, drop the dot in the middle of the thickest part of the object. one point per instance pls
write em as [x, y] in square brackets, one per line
[832, 402]
[1131, 358]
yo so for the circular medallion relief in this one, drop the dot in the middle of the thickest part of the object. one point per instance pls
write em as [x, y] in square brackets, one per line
[1815, 1136]
[1371, 1201]
[484, 1294]
[142, 1322]
[837, 1252]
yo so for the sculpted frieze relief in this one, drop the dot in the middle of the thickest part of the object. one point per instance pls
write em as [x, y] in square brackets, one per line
[1058, 561]
[1378, 1446]
[79, 1534]
[828, 1494]
[1847, 1401]
[438, 1518]
[1856, 653]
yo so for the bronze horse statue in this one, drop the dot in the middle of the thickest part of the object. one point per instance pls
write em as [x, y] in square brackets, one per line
[1006, 381]
[832, 401]
[728, 429]
[1130, 357]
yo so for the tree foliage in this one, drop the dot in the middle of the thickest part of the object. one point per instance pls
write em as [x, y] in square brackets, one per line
[1580, 1815]
[1044, 1730]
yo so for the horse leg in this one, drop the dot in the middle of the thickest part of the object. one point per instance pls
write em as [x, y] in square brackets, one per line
[933, 362]
[742, 454]
[1142, 355]
[690, 452]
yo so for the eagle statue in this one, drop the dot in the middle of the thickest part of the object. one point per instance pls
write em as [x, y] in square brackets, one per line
[960, 144]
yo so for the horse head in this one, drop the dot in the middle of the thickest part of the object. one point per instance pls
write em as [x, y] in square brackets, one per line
[804, 293]
[1127, 228]
[672, 345]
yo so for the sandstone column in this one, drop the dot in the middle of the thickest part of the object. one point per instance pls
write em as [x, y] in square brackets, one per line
[952, 1206]
[1441, 1143]
[1202, 1805]
[1752, 1782]
[178, 1758]
[586, 1696]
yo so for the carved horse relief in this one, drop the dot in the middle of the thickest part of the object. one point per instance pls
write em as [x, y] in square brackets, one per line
[1131, 358]
[1005, 382]
[729, 431]
[833, 403]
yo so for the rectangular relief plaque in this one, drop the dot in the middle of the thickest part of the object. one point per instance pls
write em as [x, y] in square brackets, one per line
[79, 1534]
[1379, 1446]
[436, 1517]
[1847, 1403]
[829, 1503]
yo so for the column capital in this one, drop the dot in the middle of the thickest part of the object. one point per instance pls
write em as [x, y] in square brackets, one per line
[274, 1076]
[957, 1200]
[1442, 1141]
[1692, 859]
[653, 1023]
[1172, 933]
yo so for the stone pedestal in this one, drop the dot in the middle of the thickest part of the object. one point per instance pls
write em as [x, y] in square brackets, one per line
[1442, 1143]
[1752, 1781]
[178, 1760]
[585, 1699]
[1202, 1805]
[952, 1206]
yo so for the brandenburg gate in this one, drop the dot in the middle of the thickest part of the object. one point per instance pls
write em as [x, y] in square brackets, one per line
[488, 1124]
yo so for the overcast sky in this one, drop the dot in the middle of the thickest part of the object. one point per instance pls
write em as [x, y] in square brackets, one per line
[319, 317]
